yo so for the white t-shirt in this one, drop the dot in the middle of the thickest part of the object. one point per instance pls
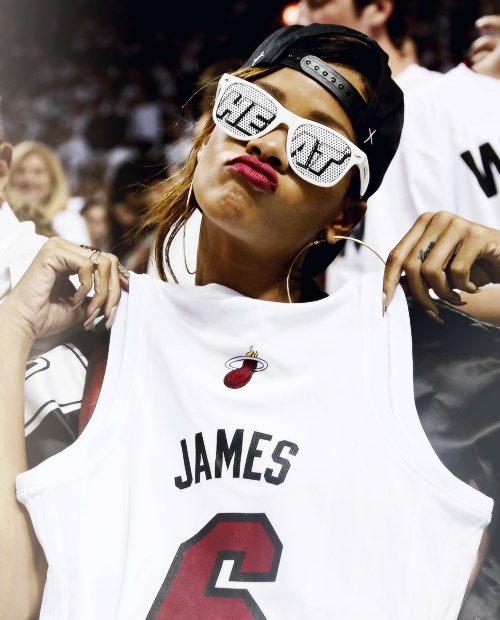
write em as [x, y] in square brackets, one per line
[55, 373]
[72, 226]
[19, 245]
[414, 76]
[252, 459]
[448, 159]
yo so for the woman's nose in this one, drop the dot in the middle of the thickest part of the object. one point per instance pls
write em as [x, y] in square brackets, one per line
[271, 148]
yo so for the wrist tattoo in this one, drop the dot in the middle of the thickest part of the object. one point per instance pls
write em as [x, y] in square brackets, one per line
[423, 254]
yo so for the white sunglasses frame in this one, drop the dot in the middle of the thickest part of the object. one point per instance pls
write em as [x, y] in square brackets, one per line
[293, 121]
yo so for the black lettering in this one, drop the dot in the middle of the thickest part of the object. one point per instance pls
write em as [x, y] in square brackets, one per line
[201, 459]
[423, 254]
[285, 463]
[489, 158]
[253, 454]
[318, 157]
[184, 484]
[227, 453]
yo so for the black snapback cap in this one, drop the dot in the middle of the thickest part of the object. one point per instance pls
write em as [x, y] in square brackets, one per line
[378, 122]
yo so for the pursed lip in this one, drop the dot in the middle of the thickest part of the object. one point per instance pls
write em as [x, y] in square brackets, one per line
[262, 175]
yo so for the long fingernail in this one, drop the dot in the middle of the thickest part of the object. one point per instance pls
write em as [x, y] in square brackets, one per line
[78, 304]
[432, 315]
[384, 303]
[111, 318]
[91, 319]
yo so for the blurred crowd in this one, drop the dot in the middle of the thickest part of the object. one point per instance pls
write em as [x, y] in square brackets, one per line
[93, 103]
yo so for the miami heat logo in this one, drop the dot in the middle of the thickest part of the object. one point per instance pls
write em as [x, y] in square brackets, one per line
[241, 375]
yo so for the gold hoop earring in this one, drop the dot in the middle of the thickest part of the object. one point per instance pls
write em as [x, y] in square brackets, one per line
[184, 229]
[361, 243]
[317, 242]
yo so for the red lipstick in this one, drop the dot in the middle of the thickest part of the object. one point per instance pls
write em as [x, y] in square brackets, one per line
[260, 174]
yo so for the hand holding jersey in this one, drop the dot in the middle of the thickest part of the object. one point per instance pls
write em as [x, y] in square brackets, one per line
[49, 302]
[446, 253]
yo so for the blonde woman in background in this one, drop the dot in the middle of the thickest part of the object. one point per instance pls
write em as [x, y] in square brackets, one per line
[38, 190]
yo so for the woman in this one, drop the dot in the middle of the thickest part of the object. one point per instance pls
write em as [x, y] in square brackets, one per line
[96, 215]
[220, 476]
[38, 190]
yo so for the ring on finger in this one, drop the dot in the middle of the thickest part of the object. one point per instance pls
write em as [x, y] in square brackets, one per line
[94, 255]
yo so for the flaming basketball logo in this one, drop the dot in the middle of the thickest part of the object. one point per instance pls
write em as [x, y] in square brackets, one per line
[241, 375]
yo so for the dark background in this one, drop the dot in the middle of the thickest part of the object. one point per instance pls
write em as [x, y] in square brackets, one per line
[117, 42]
[228, 26]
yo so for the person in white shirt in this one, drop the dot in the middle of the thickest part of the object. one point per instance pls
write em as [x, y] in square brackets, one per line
[391, 24]
[57, 365]
[448, 159]
[215, 481]
[38, 191]
[18, 241]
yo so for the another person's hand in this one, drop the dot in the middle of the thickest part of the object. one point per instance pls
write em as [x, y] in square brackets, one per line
[445, 253]
[45, 302]
[484, 53]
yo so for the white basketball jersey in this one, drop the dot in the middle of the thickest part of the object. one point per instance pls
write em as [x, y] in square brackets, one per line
[254, 460]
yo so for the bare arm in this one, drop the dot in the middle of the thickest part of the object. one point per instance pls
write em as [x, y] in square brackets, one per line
[22, 563]
[43, 303]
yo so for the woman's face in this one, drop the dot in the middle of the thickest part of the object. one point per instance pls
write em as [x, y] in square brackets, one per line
[97, 219]
[31, 179]
[128, 211]
[285, 215]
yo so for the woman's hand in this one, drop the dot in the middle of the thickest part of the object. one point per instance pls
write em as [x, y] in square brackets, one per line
[443, 252]
[45, 302]
[484, 53]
